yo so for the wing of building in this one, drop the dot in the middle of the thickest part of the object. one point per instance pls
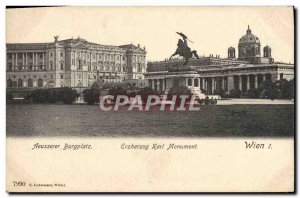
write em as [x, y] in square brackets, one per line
[212, 73]
[72, 63]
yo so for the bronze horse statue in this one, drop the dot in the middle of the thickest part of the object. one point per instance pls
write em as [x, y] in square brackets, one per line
[184, 50]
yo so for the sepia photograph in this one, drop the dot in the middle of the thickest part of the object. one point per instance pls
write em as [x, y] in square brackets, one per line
[203, 85]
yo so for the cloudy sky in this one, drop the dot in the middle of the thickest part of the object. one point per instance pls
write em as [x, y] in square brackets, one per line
[212, 29]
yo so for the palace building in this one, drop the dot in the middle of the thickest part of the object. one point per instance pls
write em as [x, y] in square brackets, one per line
[72, 63]
[206, 75]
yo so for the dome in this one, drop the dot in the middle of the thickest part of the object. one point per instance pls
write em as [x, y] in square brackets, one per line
[249, 38]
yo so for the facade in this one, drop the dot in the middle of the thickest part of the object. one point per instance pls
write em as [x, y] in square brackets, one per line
[72, 63]
[208, 74]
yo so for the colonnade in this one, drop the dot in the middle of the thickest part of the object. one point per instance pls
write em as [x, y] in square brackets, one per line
[22, 61]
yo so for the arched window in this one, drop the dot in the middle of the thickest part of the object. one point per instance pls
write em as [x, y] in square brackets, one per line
[9, 83]
[20, 83]
[40, 83]
[30, 83]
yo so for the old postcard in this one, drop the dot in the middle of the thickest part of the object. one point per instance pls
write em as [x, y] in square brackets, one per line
[150, 99]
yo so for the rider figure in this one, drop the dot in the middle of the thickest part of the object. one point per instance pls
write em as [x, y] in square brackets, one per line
[183, 44]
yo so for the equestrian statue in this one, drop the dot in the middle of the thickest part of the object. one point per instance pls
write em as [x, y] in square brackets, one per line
[184, 50]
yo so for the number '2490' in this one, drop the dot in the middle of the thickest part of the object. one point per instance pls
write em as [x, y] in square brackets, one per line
[19, 183]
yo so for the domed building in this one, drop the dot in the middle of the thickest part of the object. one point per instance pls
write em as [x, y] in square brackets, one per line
[248, 69]
[249, 47]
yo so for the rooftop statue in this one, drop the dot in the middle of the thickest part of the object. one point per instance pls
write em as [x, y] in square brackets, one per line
[184, 50]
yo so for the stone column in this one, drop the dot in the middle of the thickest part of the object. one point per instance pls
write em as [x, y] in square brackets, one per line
[230, 83]
[212, 85]
[240, 83]
[33, 61]
[163, 85]
[256, 81]
[43, 59]
[264, 77]
[96, 54]
[223, 83]
[203, 83]
[152, 86]
[199, 82]
[26, 60]
[75, 57]
[23, 61]
[16, 65]
[186, 82]
[193, 80]
[248, 82]
[13, 61]
[36, 60]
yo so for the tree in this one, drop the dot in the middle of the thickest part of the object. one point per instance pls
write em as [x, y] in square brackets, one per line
[68, 95]
[235, 93]
[115, 91]
[254, 93]
[91, 96]
[178, 91]
[54, 95]
[271, 90]
[221, 93]
[145, 92]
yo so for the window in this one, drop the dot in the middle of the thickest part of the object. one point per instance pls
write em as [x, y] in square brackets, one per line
[9, 83]
[61, 66]
[51, 54]
[61, 76]
[20, 83]
[196, 82]
[51, 76]
[139, 68]
[281, 76]
[40, 83]
[61, 54]
[29, 82]
[9, 66]
[189, 82]
[51, 65]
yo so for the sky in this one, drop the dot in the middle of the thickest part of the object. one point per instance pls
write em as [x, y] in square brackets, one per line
[212, 29]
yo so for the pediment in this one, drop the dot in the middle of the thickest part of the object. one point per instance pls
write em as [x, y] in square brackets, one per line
[80, 45]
